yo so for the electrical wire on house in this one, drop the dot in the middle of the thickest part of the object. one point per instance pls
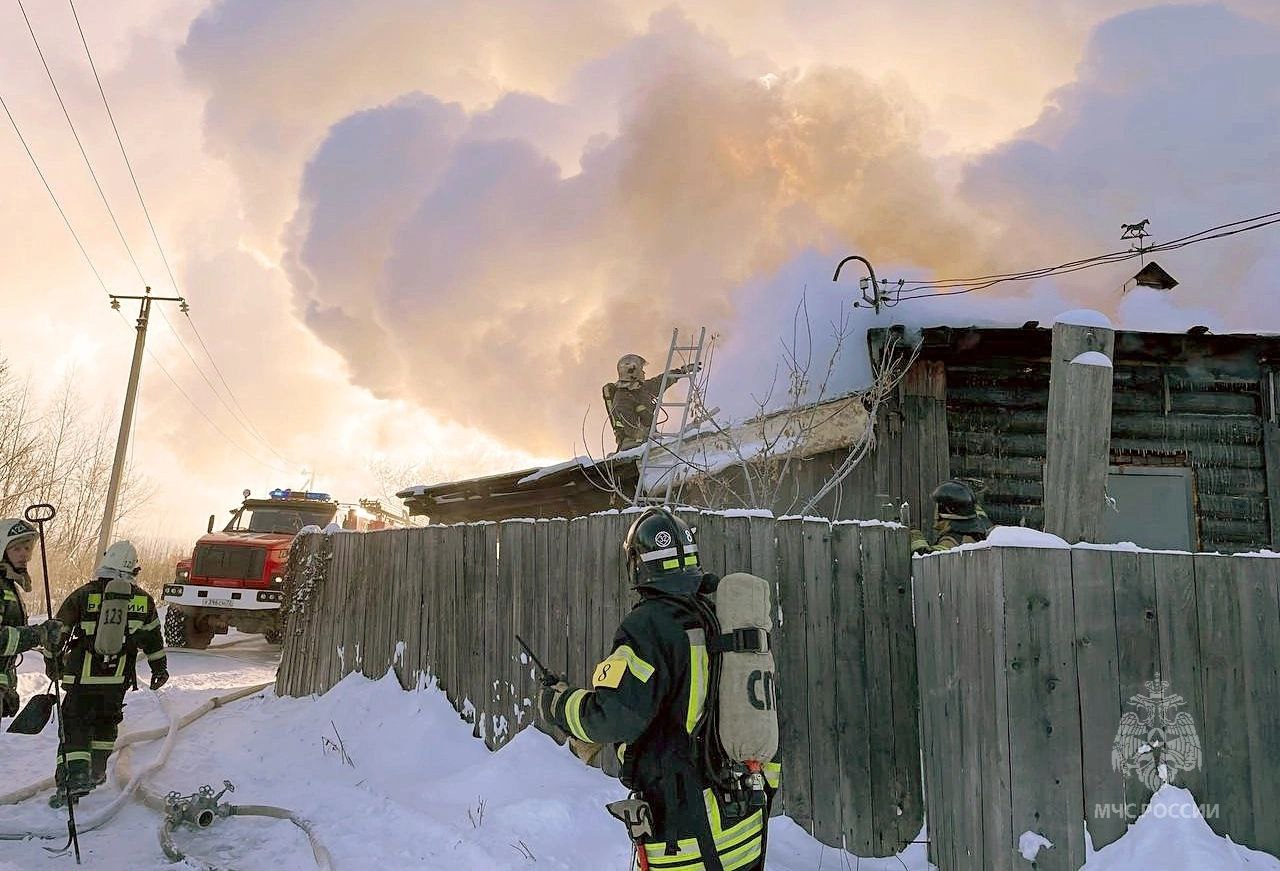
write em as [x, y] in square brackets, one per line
[905, 291]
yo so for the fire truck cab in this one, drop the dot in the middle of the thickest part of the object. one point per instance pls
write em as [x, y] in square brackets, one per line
[235, 577]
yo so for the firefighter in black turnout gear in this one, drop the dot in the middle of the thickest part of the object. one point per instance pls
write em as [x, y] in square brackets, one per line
[17, 538]
[960, 519]
[655, 696]
[110, 619]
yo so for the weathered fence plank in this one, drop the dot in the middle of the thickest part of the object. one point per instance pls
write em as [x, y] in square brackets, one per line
[558, 604]
[970, 713]
[1042, 687]
[579, 544]
[1138, 638]
[792, 689]
[925, 576]
[474, 620]
[908, 801]
[1097, 663]
[1260, 637]
[502, 681]
[984, 575]
[820, 664]
[849, 674]
[1180, 657]
[1225, 744]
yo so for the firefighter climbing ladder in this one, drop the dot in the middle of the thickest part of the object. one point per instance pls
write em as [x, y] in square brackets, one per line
[661, 458]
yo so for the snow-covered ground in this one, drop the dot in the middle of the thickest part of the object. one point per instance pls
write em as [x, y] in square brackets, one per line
[418, 793]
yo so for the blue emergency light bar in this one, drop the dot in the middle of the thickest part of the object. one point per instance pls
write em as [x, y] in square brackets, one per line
[301, 494]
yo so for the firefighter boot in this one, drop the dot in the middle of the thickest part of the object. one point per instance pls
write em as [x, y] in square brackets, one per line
[99, 769]
[76, 783]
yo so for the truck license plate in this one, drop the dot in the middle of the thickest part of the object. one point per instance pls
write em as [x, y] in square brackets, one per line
[219, 603]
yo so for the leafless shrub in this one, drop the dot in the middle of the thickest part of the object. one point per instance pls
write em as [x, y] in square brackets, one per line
[749, 463]
[477, 817]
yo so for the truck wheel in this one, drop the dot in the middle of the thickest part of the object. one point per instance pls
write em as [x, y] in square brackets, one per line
[274, 635]
[180, 631]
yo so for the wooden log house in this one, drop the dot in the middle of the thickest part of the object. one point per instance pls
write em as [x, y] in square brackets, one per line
[1195, 443]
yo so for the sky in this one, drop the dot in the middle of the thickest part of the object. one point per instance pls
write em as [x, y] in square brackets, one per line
[420, 233]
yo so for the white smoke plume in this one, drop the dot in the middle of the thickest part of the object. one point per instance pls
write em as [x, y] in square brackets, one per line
[485, 213]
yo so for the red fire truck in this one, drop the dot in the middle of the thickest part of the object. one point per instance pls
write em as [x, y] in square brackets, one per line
[235, 578]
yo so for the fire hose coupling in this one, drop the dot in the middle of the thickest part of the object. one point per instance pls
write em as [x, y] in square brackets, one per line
[198, 810]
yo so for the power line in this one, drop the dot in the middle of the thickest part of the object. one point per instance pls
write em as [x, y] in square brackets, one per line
[75, 133]
[245, 423]
[957, 287]
[201, 411]
[1112, 257]
[36, 165]
[218, 371]
[244, 420]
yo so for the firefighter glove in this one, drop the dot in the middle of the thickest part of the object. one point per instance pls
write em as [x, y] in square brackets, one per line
[548, 697]
[47, 635]
[584, 750]
[159, 678]
[51, 635]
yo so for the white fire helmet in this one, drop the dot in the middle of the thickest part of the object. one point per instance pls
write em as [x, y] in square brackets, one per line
[14, 530]
[120, 561]
[631, 367]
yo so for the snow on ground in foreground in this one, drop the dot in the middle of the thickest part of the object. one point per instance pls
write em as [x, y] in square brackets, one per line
[1172, 836]
[409, 799]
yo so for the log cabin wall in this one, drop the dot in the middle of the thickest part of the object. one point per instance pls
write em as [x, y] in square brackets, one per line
[1199, 401]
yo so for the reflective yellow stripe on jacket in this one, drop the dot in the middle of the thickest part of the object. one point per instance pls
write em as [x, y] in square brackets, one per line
[698, 672]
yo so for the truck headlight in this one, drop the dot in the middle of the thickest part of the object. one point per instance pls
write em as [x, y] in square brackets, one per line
[173, 590]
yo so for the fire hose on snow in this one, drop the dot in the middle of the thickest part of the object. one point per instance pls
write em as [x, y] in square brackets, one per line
[173, 806]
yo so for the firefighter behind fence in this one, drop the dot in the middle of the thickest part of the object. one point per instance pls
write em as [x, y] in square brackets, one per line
[17, 538]
[109, 619]
[960, 519]
[698, 760]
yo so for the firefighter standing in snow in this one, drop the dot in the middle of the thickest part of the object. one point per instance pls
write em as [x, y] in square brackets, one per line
[693, 808]
[17, 538]
[110, 619]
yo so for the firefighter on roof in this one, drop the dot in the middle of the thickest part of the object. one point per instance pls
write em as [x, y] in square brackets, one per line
[960, 519]
[17, 538]
[694, 806]
[109, 619]
[633, 399]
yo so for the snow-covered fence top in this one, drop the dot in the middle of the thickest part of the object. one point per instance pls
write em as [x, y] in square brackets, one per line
[444, 603]
[1060, 686]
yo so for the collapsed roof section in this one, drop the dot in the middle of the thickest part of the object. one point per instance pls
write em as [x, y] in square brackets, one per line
[585, 484]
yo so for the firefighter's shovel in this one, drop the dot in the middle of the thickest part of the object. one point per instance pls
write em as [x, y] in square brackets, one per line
[40, 514]
[34, 715]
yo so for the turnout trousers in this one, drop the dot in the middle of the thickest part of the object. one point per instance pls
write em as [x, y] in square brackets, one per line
[90, 723]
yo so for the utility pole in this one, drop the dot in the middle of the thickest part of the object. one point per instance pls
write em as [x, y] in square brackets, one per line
[130, 400]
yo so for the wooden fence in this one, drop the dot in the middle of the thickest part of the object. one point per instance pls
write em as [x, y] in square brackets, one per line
[445, 602]
[1029, 662]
